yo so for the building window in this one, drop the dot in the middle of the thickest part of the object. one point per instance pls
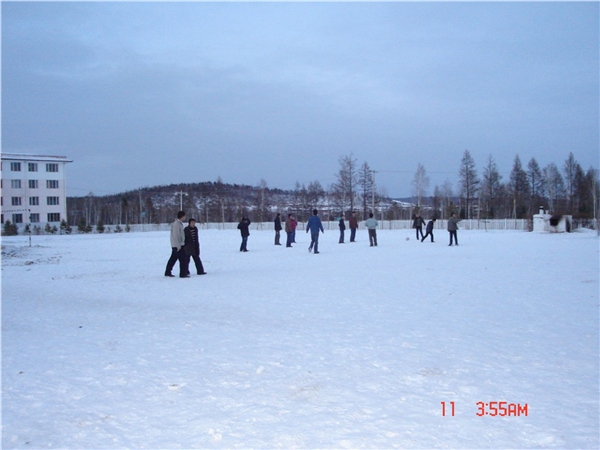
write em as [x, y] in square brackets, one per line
[15, 184]
[53, 217]
[51, 167]
[32, 167]
[52, 184]
[15, 166]
[34, 201]
[34, 218]
[16, 201]
[17, 218]
[33, 184]
[52, 201]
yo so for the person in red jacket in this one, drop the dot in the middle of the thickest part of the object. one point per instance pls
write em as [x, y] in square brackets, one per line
[289, 229]
[353, 224]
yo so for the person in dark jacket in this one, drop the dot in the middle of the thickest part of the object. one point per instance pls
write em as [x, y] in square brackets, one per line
[314, 225]
[243, 226]
[192, 245]
[277, 229]
[418, 223]
[294, 225]
[342, 228]
[429, 230]
[453, 228]
[353, 223]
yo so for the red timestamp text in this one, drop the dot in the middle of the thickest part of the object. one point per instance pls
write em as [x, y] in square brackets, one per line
[492, 409]
[502, 409]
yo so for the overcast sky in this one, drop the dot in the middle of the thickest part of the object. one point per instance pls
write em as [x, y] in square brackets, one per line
[142, 94]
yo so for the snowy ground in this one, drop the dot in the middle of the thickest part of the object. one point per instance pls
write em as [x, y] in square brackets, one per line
[278, 348]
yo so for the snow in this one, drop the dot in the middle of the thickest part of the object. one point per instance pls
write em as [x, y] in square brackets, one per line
[279, 348]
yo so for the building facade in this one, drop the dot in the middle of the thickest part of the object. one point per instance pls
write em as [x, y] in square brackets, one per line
[34, 189]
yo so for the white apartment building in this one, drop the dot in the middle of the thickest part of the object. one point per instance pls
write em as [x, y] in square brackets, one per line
[33, 189]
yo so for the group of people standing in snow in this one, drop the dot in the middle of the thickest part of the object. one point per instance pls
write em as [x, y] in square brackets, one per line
[185, 243]
[313, 225]
[418, 223]
[371, 224]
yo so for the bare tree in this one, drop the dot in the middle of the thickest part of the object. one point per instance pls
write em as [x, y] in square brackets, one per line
[554, 186]
[570, 171]
[262, 201]
[347, 180]
[315, 193]
[367, 186]
[447, 194]
[420, 184]
[594, 187]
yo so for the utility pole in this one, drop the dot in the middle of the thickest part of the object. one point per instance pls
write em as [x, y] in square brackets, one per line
[181, 193]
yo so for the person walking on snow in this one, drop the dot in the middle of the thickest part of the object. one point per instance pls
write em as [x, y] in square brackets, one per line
[371, 224]
[314, 225]
[177, 251]
[453, 228]
[429, 230]
[245, 232]
[342, 228]
[278, 229]
[289, 230]
[418, 223]
[192, 246]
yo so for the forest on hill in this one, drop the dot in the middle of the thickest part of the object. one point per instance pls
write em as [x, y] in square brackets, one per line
[571, 190]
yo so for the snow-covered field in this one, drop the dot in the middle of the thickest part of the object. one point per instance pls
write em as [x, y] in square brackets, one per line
[356, 347]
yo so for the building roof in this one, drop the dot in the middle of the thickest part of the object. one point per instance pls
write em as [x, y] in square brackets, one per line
[30, 157]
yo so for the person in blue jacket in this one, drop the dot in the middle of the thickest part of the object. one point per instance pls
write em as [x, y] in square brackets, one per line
[243, 226]
[342, 228]
[429, 230]
[314, 225]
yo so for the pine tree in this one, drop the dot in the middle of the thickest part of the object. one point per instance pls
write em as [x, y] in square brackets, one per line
[81, 225]
[469, 181]
[10, 229]
[490, 188]
[65, 228]
[536, 186]
[518, 189]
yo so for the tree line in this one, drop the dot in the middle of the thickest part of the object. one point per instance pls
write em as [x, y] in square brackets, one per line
[486, 195]
[527, 189]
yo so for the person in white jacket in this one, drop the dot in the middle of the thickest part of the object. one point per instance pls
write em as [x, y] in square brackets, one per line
[177, 250]
[371, 225]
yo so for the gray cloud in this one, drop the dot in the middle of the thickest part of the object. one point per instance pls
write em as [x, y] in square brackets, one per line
[145, 93]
